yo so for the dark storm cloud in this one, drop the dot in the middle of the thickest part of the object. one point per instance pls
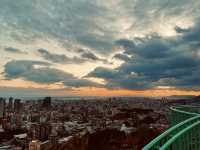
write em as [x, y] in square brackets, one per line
[101, 72]
[61, 19]
[92, 57]
[94, 24]
[42, 74]
[89, 55]
[59, 58]
[192, 36]
[122, 57]
[151, 47]
[157, 61]
[15, 69]
[63, 59]
[181, 30]
[14, 50]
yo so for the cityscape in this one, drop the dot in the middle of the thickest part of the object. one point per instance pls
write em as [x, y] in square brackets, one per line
[99, 74]
[115, 123]
[85, 124]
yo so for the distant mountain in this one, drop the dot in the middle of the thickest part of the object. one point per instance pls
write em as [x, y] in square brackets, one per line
[181, 97]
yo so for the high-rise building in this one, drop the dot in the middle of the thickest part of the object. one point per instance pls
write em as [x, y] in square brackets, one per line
[46, 102]
[18, 120]
[34, 145]
[17, 105]
[41, 131]
[13, 121]
[4, 123]
[10, 104]
[53, 136]
[2, 107]
[53, 139]
[26, 143]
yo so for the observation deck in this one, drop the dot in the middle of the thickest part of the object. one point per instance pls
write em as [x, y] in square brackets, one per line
[184, 133]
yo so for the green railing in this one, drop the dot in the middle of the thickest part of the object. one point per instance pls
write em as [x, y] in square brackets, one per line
[184, 133]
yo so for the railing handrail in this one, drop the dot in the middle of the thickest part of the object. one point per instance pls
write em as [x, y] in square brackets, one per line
[194, 117]
[182, 111]
[168, 132]
[174, 138]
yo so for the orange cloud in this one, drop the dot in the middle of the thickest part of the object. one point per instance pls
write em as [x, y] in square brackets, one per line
[124, 92]
[90, 91]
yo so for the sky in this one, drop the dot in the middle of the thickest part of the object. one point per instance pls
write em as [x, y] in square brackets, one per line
[99, 47]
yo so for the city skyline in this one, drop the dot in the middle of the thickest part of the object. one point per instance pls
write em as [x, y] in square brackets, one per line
[99, 48]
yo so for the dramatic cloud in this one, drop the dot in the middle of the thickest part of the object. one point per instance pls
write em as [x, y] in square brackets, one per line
[63, 59]
[139, 44]
[14, 50]
[157, 61]
[61, 19]
[92, 57]
[89, 55]
[39, 72]
[122, 57]
[94, 24]
[59, 58]
[101, 72]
